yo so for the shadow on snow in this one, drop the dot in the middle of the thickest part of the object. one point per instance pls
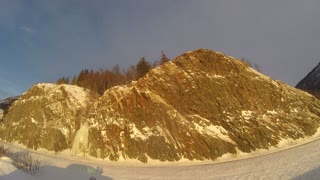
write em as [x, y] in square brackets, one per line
[313, 174]
[71, 172]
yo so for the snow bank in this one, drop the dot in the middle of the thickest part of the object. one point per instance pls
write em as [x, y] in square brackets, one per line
[287, 164]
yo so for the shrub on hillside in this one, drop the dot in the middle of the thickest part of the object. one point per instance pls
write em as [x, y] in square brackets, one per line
[22, 160]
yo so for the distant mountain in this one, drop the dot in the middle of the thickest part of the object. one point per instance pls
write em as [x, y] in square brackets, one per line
[6, 103]
[201, 105]
[4, 93]
[311, 83]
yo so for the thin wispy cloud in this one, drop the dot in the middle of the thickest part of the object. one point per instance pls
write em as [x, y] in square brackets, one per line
[27, 29]
[43, 40]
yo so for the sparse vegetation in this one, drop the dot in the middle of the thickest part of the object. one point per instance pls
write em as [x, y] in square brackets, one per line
[22, 160]
[25, 162]
[250, 64]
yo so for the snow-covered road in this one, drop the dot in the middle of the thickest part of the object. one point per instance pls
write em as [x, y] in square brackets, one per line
[302, 162]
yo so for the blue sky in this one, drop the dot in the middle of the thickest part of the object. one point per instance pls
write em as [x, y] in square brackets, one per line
[42, 40]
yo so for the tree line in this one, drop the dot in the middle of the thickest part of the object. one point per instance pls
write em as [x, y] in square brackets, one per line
[100, 80]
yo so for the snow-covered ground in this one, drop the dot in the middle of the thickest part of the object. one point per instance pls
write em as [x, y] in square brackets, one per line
[300, 162]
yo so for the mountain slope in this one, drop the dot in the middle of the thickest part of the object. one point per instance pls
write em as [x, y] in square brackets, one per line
[47, 116]
[311, 83]
[201, 105]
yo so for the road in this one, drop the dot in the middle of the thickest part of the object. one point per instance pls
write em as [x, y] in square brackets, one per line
[300, 162]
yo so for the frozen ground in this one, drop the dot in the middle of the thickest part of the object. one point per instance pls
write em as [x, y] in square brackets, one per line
[300, 162]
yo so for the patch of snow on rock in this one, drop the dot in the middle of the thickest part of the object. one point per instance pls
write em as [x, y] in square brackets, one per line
[273, 112]
[136, 134]
[220, 132]
[246, 114]
[294, 110]
[33, 121]
[78, 94]
[211, 130]
[215, 76]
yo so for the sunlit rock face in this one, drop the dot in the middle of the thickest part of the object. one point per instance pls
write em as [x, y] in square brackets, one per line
[200, 105]
[46, 116]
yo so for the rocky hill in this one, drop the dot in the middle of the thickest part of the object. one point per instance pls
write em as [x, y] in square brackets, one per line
[201, 105]
[311, 83]
[46, 116]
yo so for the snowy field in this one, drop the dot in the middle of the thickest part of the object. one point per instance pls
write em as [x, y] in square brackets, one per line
[300, 162]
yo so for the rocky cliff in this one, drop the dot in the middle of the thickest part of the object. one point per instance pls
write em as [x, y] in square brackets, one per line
[201, 105]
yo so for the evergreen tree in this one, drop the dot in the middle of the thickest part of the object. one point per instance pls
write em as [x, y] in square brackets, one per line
[143, 67]
[103, 79]
[82, 75]
[63, 80]
[131, 74]
[164, 58]
[74, 80]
